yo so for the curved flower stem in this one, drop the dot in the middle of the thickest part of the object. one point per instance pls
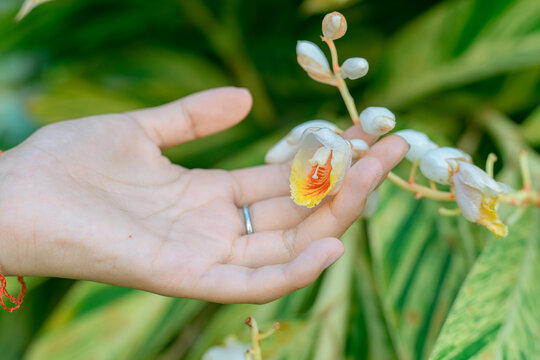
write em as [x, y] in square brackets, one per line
[490, 162]
[270, 331]
[255, 341]
[341, 85]
[414, 167]
[420, 190]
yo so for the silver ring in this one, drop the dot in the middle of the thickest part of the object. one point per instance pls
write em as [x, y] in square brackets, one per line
[247, 217]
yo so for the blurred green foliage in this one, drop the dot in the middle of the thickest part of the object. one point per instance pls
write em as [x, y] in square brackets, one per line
[466, 72]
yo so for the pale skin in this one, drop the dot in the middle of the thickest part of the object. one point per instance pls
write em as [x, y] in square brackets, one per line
[95, 199]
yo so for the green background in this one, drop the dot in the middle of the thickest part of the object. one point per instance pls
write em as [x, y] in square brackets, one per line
[466, 72]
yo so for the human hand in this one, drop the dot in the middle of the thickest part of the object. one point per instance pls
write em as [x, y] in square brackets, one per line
[95, 199]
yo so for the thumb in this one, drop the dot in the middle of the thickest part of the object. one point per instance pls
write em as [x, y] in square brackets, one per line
[194, 116]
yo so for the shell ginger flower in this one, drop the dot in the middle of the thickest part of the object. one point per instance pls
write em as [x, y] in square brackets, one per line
[477, 195]
[287, 147]
[319, 166]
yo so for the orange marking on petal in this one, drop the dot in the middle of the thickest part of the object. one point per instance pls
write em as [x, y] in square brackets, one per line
[307, 190]
[318, 179]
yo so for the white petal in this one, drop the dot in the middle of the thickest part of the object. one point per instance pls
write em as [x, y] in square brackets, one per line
[377, 120]
[354, 68]
[438, 164]
[296, 133]
[372, 203]
[281, 152]
[287, 147]
[477, 178]
[468, 198]
[341, 152]
[419, 143]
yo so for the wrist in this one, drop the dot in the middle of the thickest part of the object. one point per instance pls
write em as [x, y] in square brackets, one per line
[11, 217]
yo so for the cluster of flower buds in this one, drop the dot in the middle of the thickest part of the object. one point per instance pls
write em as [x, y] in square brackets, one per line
[315, 63]
[475, 192]
[321, 156]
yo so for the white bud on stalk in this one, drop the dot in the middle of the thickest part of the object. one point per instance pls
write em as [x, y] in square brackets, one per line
[439, 164]
[334, 25]
[354, 68]
[377, 120]
[419, 143]
[314, 62]
[359, 147]
[287, 147]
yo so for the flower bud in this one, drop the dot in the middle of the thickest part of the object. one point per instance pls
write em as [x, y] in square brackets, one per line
[439, 164]
[334, 25]
[354, 68]
[419, 143]
[377, 120]
[359, 147]
[314, 62]
[287, 147]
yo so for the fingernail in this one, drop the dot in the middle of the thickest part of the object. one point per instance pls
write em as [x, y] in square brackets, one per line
[332, 259]
[375, 183]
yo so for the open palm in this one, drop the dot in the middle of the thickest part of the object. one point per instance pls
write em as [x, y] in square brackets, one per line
[95, 199]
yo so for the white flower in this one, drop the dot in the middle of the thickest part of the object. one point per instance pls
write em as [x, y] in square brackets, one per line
[436, 164]
[319, 166]
[354, 68]
[477, 195]
[287, 147]
[372, 202]
[419, 143]
[377, 120]
[314, 62]
[233, 350]
[359, 147]
[334, 25]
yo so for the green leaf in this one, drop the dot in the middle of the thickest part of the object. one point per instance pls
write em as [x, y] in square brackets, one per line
[457, 43]
[418, 266]
[28, 6]
[497, 313]
[320, 6]
[530, 128]
[334, 301]
[108, 322]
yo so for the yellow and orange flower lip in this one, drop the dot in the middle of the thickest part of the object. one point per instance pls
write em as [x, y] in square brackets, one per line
[477, 196]
[319, 166]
